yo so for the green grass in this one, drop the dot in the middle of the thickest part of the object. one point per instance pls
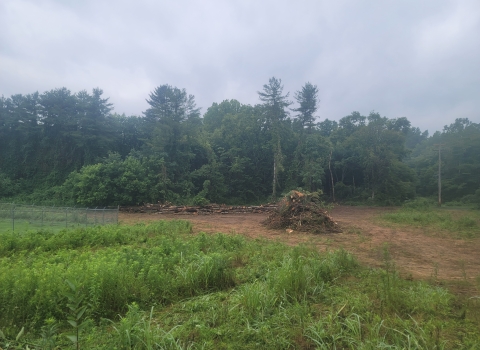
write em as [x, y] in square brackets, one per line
[25, 225]
[459, 223]
[158, 286]
[30, 217]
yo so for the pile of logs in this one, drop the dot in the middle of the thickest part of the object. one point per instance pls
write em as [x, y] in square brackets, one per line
[198, 210]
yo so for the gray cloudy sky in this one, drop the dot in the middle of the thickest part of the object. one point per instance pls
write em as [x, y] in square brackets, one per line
[418, 59]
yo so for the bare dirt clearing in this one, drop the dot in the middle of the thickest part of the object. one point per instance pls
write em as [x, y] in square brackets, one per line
[415, 254]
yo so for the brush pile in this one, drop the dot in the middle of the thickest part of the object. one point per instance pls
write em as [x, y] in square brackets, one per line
[299, 211]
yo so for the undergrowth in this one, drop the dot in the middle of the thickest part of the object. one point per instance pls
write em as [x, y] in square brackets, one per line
[158, 286]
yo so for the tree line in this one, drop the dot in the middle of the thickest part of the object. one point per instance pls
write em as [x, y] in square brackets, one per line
[64, 147]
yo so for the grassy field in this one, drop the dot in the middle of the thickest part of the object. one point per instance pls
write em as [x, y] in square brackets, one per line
[22, 226]
[461, 223]
[21, 218]
[158, 286]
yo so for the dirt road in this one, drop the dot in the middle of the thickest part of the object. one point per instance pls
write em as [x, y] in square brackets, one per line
[416, 254]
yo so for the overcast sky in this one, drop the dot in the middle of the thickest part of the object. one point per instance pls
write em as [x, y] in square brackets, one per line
[418, 59]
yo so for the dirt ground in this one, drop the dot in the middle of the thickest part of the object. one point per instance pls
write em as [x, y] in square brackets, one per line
[416, 255]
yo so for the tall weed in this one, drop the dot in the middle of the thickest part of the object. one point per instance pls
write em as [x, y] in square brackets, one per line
[31, 284]
[99, 236]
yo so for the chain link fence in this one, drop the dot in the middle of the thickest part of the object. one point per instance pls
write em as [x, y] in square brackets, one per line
[19, 216]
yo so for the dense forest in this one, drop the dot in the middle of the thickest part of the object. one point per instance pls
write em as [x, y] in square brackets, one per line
[60, 147]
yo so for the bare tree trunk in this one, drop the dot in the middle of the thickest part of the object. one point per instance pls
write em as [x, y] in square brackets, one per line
[440, 175]
[372, 181]
[274, 191]
[277, 167]
[331, 175]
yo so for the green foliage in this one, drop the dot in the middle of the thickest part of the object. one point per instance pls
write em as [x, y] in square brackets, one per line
[61, 147]
[221, 291]
[420, 203]
[49, 334]
[240, 146]
[120, 182]
[275, 103]
[311, 157]
[213, 186]
[137, 331]
[7, 186]
[355, 332]
[460, 162]
[98, 236]
[476, 198]
[367, 162]
[304, 274]
[47, 136]
[174, 123]
[76, 311]
[307, 98]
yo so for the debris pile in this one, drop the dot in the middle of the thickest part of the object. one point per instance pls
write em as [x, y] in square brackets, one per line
[299, 211]
[169, 208]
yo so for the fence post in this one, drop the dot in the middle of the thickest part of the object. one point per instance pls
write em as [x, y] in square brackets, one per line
[118, 209]
[53, 215]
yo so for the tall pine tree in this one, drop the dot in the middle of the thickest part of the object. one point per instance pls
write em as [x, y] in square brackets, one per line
[308, 100]
[275, 104]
